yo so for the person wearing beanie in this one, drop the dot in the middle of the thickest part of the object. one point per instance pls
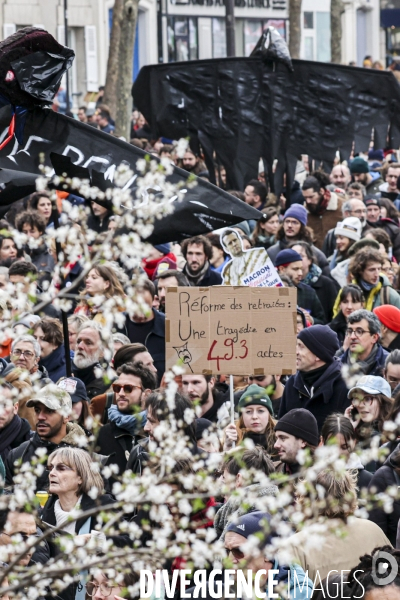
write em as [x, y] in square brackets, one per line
[360, 172]
[292, 229]
[298, 584]
[389, 317]
[317, 385]
[346, 233]
[255, 422]
[289, 263]
[160, 259]
[197, 252]
[376, 220]
[324, 206]
[296, 430]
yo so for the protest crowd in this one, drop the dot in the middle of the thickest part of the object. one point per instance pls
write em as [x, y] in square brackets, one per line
[113, 466]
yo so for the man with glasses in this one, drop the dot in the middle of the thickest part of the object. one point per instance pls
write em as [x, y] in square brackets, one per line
[392, 370]
[127, 417]
[53, 408]
[25, 354]
[362, 342]
[20, 526]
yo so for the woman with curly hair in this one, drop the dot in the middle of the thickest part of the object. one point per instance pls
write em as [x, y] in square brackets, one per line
[101, 282]
[255, 422]
[367, 582]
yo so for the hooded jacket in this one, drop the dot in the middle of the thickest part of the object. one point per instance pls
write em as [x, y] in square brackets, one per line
[26, 452]
[393, 230]
[384, 478]
[328, 394]
[55, 364]
[117, 444]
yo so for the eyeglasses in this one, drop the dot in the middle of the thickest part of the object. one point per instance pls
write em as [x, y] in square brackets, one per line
[26, 353]
[236, 553]
[105, 589]
[358, 332]
[367, 400]
[256, 377]
[128, 388]
[60, 467]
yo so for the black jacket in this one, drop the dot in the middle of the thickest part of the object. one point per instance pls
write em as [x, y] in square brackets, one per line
[393, 231]
[24, 435]
[94, 385]
[328, 395]
[307, 298]
[339, 326]
[55, 364]
[327, 290]
[211, 277]
[26, 452]
[99, 225]
[155, 341]
[116, 443]
[385, 477]
[43, 261]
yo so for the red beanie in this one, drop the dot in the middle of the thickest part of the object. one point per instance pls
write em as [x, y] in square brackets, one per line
[389, 316]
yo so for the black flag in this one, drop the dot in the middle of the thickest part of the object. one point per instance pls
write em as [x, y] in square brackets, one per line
[204, 208]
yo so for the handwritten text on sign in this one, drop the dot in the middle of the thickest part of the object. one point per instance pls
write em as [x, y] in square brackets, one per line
[238, 330]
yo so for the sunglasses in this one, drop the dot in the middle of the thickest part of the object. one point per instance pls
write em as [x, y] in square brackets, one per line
[128, 388]
[236, 553]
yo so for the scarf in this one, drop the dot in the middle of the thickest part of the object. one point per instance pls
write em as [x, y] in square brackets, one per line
[365, 365]
[313, 275]
[8, 435]
[131, 423]
[194, 278]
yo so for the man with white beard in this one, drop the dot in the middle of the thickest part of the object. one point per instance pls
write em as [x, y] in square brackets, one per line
[89, 364]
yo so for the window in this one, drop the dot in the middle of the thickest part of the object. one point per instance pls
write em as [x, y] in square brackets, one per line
[279, 24]
[323, 50]
[252, 33]
[308, 20]
[309, 48]
[182, 39]
[219, 38]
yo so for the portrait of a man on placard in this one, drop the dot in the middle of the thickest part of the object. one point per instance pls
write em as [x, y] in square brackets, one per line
[248, 267]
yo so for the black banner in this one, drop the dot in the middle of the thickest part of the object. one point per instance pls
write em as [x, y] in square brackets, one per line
[204, 208]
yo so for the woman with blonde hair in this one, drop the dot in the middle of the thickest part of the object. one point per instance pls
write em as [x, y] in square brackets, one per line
[101, 282]
[255, 422]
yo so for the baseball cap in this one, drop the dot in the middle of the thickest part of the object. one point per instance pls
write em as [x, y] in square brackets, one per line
[350, 227]
[53, 398]
[371, 384]
[75, 388]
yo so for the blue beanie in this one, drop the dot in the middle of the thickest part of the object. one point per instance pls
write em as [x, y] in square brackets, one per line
[285, 257]
[297, 211]
[321, 340]
[164, 248]
[251, 524]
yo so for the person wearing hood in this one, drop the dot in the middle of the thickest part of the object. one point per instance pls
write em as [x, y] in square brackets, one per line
[53, 410]
[13, 429]
[375, 220]
[99, 218]
[324, 207]
[388, 475]
[256, 420]
[49, 335]
[317, 385]
[158, 260]
[360, 172]
[33, 225]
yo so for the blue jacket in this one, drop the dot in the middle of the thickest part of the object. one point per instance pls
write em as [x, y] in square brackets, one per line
[55, 364]
[300, 585]
[377, 367]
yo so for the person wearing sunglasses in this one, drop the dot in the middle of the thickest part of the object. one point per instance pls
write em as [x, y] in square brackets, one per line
[127, 417]
[370, 407]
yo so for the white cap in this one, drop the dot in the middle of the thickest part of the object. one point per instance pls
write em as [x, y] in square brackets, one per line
[350, 227]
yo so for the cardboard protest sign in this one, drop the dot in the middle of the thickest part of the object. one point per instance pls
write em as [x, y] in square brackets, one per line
[248, 267]
[240, 330]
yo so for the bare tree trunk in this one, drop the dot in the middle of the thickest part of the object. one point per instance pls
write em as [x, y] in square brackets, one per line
[294, 28]
[337, 9]
[124, 83]
[110, 88]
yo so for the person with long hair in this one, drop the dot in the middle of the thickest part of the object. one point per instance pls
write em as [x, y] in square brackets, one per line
[41, 202]
[264, 234]
[256, 421]
[101, 281]
[371, 405]
[351, 298]
[338, 430]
